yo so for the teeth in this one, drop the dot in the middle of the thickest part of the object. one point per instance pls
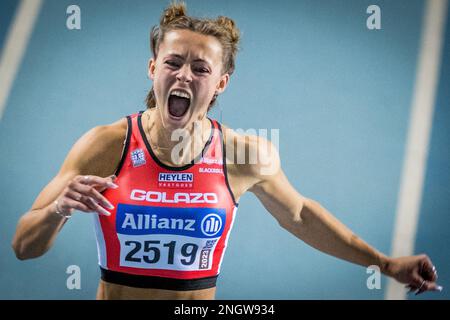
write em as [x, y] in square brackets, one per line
[181, 94]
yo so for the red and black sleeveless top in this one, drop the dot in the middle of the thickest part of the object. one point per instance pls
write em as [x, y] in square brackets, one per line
[170, 225]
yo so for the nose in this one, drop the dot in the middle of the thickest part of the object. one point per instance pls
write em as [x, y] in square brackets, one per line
[184, 74]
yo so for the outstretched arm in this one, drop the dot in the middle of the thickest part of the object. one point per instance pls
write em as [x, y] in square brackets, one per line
[312, 223]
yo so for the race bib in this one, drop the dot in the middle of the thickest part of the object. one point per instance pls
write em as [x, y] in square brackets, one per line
[179, 239]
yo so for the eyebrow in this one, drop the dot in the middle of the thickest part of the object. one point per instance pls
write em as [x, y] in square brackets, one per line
[181, 57]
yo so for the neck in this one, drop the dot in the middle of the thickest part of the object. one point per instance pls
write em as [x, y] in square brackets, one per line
[188, 142]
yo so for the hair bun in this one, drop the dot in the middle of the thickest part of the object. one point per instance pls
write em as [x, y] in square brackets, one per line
[229, 25]
[173, 12]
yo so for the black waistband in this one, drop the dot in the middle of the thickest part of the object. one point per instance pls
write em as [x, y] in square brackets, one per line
[139, 281]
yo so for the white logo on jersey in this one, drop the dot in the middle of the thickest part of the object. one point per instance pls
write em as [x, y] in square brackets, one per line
[211, 161]
[146, 222]
[211, 224]
[179, 197]
[210, 170]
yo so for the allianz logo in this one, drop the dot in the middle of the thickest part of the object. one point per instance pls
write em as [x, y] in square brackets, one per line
[178, 197]
[153, 222]
[210, 225]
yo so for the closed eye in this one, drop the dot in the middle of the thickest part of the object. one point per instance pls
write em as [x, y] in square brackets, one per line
[201, 70]
[173, 64]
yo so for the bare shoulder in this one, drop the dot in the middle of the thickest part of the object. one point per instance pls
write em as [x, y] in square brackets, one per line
[251, 159]
[98, 151]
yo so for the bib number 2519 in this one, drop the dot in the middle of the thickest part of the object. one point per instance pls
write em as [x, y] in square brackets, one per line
[150, 252]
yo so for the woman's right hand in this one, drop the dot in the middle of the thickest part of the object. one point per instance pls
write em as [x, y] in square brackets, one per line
[83, 193]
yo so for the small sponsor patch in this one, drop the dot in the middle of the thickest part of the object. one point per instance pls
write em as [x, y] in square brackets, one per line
[210, 170]
[205, 255]
[138, 157]
[176, 180]
[211, 161]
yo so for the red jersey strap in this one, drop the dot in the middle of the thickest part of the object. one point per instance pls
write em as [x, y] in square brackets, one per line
[126, 145]
[224, 159]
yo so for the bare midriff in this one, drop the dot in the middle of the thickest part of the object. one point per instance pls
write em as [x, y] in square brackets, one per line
[112, 291]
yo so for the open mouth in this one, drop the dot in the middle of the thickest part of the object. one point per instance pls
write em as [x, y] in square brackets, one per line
[179, 102]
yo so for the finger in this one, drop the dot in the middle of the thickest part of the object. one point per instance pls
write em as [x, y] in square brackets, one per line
[438, 288]
[108, 182]
[99, 209]
[417, 283]
[85, 200]
[422, 288]
[90, 191]
[112, 186]
[416, 280]
[72, 204]
[97, 181]
[431, 275]
[427, 270]
[78, 197]
[435, 271]
[74, 195]
[429, 286]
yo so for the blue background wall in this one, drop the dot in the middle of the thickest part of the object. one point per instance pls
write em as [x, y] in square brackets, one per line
[339, 93]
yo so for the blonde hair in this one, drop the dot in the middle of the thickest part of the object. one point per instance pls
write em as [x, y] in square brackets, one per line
[222, 28]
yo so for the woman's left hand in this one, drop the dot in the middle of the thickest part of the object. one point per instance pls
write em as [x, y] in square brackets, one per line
[418, 272]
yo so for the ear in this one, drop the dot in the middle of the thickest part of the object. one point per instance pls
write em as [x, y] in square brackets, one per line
[151, 68]
[223, 83]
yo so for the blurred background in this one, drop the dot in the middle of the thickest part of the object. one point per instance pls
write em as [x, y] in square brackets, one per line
[342, 95]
